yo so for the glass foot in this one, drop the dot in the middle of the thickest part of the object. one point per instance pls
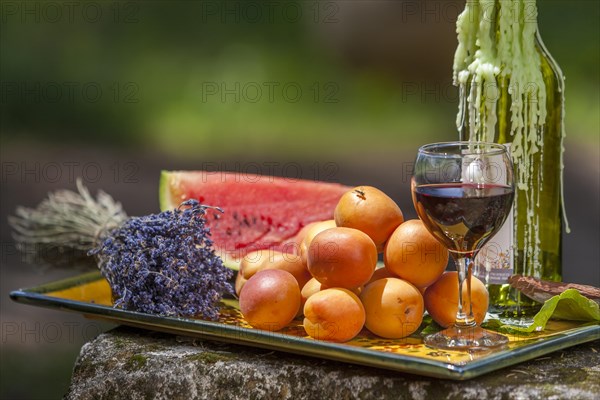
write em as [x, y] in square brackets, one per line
[466, 338]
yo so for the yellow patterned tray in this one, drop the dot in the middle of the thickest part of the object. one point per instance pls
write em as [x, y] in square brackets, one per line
[90, 294]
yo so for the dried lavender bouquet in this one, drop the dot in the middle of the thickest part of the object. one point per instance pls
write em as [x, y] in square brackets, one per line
[162, 264]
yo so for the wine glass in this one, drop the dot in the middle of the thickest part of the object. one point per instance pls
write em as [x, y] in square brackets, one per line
[463, 192]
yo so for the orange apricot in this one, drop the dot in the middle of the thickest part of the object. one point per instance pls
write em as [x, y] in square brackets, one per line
[270, 299]
[240, 281]
[335, 315]
[441, 299]
[292, 245]
[253, 262]
[413, 254]
[369, 210]
[394, 308]
[313, 286]
[313, 231]
[271, 259]
[342, 257]
[381, 273]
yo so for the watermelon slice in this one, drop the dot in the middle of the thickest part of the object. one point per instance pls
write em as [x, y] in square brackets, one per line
[259, 211]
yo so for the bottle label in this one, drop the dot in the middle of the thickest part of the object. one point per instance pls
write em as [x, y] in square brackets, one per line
[494, 262]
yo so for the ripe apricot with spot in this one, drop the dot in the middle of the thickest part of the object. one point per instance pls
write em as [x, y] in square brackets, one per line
[394, 308]
[369, 210]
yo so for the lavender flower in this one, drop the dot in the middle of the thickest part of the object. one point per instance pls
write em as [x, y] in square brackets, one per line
[165, 264]
[160, 264]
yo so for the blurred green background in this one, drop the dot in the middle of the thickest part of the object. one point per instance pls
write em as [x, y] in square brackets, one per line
[138, 86]
[157, 73]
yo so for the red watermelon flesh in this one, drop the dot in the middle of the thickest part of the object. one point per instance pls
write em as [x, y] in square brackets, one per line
[260, 211]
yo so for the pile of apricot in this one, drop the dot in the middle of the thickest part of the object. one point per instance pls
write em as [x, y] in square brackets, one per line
[332, 280]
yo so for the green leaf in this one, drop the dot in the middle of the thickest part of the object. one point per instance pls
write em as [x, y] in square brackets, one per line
[569, 305]
[429, 326]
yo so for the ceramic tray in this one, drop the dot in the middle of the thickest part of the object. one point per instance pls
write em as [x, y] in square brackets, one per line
[90, 295]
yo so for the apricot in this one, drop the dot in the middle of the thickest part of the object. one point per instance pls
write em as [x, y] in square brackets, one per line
[414, 254]
[240, 281]
[381, 273]
[261, 260]
[441, 299]
[292, 245]
[270, 299]
[336, 315]
[394, 308]
[313, 231]
[371, 211]
[313, 286]
[342, 257]
[253, 262]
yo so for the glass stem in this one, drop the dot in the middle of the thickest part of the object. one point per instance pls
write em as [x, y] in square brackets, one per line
[464, 266]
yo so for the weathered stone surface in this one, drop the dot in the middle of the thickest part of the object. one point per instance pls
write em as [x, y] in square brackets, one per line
[135, 364]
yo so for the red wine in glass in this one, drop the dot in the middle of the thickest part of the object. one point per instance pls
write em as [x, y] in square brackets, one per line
[463, 192]
[463, 215]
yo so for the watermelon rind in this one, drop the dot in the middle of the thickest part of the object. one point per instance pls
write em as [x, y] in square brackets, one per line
[230, 263]
[164, 191]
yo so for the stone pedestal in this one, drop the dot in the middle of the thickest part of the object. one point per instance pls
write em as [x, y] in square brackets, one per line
[136, 364]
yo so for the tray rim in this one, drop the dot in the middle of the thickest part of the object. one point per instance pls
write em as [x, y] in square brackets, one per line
[36, 296]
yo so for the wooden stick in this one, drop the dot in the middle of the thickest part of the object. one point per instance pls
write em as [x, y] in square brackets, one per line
[540, 291]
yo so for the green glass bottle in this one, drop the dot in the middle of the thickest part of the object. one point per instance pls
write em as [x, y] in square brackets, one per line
[512, 92]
